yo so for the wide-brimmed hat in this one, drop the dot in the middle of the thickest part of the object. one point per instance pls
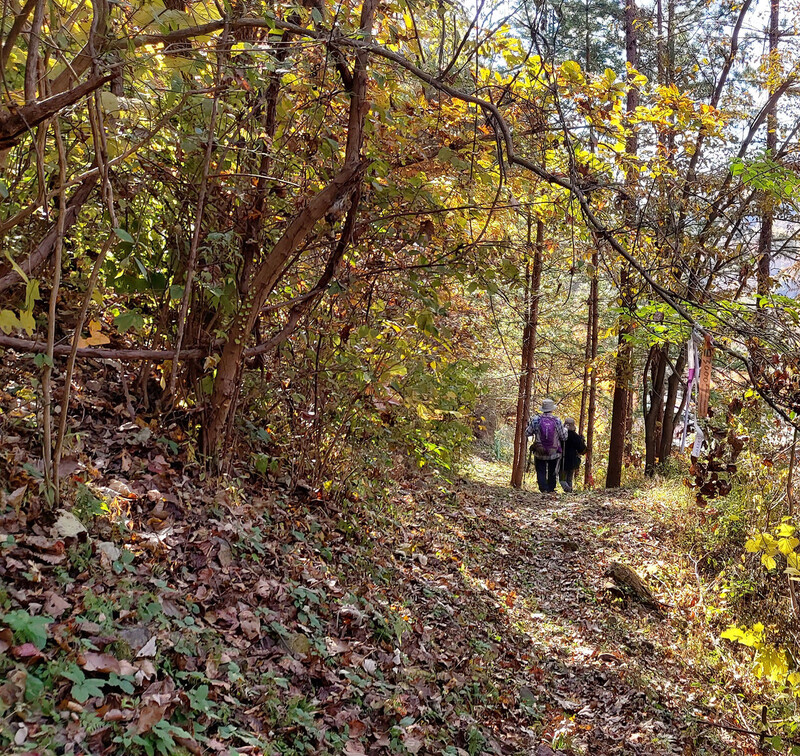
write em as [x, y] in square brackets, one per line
[548, 405]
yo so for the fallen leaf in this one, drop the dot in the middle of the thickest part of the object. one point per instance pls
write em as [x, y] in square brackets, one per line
[412, 743]
[356, 728]
[67, 525]
[336, 646]
[250, 624]
[97, 338]
[14, 499]
[149, 716]
[353, 748]
[55, 606]
[27, 651]
[149, 649]
[93, 662]
[111, 551]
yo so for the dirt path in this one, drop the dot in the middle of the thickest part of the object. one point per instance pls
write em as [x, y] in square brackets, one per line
[607, 676]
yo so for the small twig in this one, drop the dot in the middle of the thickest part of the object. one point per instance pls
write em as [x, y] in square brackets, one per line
[198, 223]
[98, 133]
[744, 731]
[50, 458]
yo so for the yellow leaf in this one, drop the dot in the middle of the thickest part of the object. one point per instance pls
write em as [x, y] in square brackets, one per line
[8, 321]
[27, 321]
[768, 561]
[97, 338]
[787, 545]
[753, 544]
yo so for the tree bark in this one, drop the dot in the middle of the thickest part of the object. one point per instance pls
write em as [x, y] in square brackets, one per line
[229, 370]
[671, 416]
[619, 412]
[587, 361]
[653, 404]
[21, 120]
[20, 20]
[764, 255]
[533, 284]
[588, 480]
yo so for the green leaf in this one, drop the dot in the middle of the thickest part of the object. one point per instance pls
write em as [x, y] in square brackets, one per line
[40, 360]
[33, 688]
[124, 236]
[127, 320]
[28, 627]
[92, 687]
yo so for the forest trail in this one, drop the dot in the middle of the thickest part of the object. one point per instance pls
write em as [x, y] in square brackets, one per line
[607, 676]
[449, 618]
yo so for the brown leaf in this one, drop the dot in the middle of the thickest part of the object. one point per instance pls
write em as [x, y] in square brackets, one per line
[412, 743]
[353, 748]
[14, 499]
[6, 639]
[250, 624]
[93, 662]
[27, 651]
[356, 728]
[55, 606]
[149, 716]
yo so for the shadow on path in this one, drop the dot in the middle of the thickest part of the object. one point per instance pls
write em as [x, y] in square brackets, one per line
[598, 674]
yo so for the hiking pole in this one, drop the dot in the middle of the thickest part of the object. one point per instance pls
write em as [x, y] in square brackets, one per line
[525, 468]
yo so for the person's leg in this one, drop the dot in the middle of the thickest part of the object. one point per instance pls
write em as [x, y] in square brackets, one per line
[566, 479]
[541, 473]
[567, 483]
[552, 474]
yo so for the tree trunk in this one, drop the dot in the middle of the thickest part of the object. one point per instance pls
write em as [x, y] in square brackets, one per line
[588, 481]
[619, 412]
[764, 255]
[229, 370]
[587, 361]
[532, 287]
[671, 415]
[653, 405]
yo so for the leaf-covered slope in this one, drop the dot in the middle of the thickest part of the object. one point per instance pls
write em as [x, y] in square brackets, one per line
[461, 618]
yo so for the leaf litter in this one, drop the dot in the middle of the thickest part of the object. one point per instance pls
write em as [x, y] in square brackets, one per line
[463, 618]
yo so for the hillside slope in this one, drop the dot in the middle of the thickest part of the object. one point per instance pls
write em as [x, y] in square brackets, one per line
[458, 618]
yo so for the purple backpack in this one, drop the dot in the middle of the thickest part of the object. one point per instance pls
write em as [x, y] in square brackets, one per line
[548, 434]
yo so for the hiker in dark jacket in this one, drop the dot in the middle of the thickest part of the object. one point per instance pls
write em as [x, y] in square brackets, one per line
[549, 436]
[574, 446]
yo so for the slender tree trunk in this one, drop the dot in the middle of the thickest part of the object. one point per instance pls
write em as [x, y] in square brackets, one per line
[790, 476]
[533, 283]
[231, 364]
[587, 361]
[653, 396]
[764, 255]
[587, 37]
[593, 308]
[619, 412]
[672, 413]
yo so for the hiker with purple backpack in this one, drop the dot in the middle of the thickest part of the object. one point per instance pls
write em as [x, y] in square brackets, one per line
[548, 435]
